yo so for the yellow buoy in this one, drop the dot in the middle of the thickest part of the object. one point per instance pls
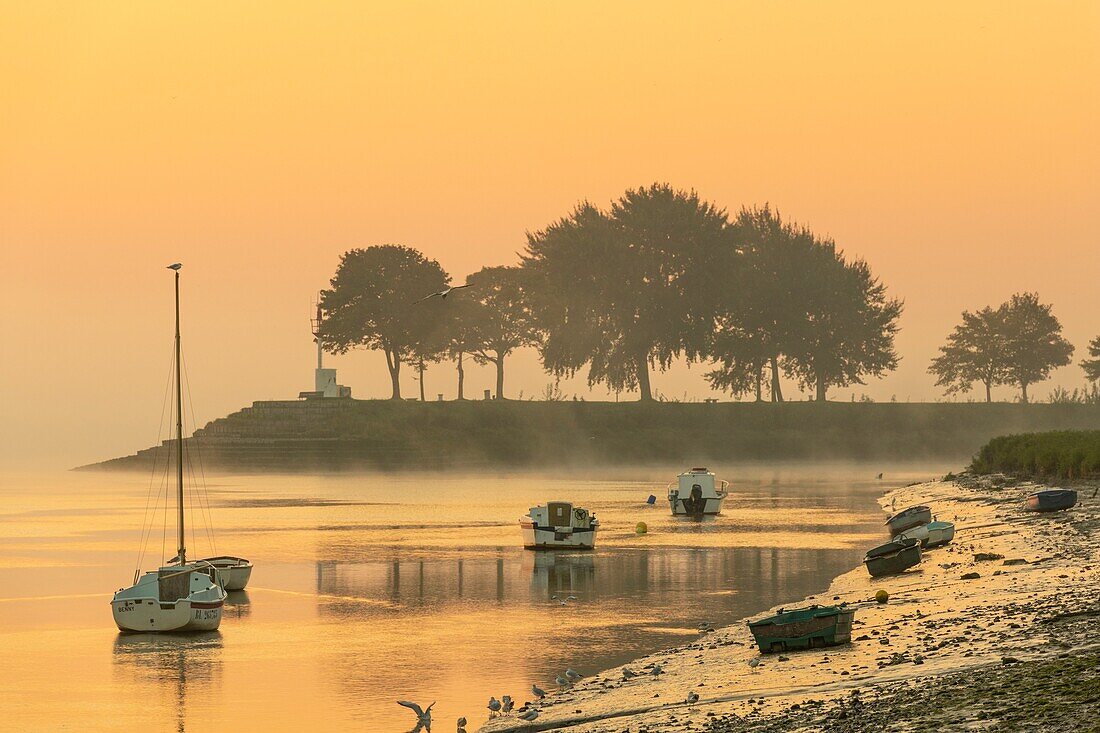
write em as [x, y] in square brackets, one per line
[641, 528]
[882, 596]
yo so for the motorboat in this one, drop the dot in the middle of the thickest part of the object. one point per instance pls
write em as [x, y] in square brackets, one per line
[171, 598]
[559, 525]
[233, 572]
[914, 516]
[1052, 500]
[933, 534]
[696, 493]
[804, 628]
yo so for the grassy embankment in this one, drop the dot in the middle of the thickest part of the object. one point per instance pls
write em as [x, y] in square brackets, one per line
[1063, 454]
[376, 434]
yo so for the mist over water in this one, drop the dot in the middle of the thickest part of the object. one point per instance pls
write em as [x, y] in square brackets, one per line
[373, 588]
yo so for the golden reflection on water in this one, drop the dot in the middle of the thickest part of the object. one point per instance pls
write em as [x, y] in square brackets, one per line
[368, 589]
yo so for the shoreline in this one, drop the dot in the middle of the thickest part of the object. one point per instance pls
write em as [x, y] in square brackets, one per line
[1033, 605]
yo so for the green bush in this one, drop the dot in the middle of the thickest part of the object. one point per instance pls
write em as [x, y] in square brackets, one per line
[1065, 454]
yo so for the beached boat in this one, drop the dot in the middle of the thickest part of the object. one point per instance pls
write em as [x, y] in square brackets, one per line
[933, 534]
[234, 572]
[914, 516]
[804, 628]
[559, 525]
[1052, 500]
[892, 558]
[182, 595]
[695, 493]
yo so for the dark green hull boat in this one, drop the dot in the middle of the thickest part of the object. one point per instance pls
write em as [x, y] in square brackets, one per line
[804, 628]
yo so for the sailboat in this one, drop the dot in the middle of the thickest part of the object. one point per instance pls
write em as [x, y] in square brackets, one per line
[182, 595]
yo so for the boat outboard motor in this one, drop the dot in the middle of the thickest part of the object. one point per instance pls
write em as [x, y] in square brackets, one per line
[695, 503]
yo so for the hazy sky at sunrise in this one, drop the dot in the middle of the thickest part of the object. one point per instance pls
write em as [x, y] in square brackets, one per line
[955, 146]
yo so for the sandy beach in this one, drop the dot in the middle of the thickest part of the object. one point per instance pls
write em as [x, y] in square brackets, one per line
[999, 630]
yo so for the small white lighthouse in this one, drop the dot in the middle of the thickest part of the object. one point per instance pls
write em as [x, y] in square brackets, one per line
[324, 380]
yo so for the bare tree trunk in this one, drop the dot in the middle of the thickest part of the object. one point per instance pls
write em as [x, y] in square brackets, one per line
[822, 388]
[499, 361]
[461, 377]
[420, 369]
[759, 369]
[777, 389]
[988, 392]
[1023, 392]
[393, 363]
[641, 366]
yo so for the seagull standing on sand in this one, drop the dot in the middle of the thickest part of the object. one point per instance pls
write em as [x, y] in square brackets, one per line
[538, 692]
[507, 703]
[442, 294]
[628, 673]
[494, 706]
[692, 698]
[529, 715]
[462, 724]
[754, 663]
[561, 681]
[423, 716]
[572, 676]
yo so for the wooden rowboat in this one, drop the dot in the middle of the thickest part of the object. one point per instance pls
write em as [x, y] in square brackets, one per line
[1052, 500]
[804, 628]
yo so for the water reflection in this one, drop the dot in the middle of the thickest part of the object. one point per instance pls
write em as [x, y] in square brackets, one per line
[237, 605]
[186, 669]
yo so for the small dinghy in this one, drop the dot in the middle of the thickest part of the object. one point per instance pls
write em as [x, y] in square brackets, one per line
[933, 534]
[695, 493]
[1052, 500]
[892, 558]
[914, 516]
[804, 628]
[559, 525]
[233, 571]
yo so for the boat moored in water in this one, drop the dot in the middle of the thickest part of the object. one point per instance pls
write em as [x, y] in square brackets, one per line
[893, 557]
[233, 572]
[559, 525]
[933, 534]
[171, 598]
[804, 628]
[1052, 500]
[914, 516]
[696, 493]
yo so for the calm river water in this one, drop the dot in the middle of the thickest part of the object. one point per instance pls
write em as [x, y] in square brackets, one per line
[370, 588]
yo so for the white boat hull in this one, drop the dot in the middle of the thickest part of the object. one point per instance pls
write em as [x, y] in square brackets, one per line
[234, 572]
[549, 538]
[711, 505]
[173, 599]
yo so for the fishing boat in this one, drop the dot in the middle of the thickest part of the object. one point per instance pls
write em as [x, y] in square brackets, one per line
[914, 516]
[804, 628]
[1052, 500]
[181, 595]
[695, 493]
[233, 571]
[933, 534]
[893, 557]
[559, 525]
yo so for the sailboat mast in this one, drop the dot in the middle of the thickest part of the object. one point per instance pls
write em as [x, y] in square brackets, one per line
[179, 431]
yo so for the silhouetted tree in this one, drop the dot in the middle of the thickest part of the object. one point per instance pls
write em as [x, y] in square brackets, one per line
[499, 319]
[976, 351]
[1092, 366]
[624, 291]
[1018, 343]
[849, 325]
[373, 303]
[1034, 340]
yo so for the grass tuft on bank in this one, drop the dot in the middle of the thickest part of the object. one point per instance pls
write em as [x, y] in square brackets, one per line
[1065, 454]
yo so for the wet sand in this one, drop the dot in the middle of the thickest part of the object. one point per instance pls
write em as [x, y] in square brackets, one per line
[1015, 648]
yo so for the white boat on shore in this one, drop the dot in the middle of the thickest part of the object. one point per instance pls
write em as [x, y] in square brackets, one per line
[696, 493]
[559, 525]
[933, 534]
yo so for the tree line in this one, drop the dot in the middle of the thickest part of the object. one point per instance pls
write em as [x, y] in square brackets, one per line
[619, 292]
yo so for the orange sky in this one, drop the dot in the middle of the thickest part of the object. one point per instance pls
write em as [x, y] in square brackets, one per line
[955, 148]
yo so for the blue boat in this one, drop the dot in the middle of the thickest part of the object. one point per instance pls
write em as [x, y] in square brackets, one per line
[1051, 500]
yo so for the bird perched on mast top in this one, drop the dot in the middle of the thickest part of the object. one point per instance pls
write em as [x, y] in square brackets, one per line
[175, 266]
[444, 293]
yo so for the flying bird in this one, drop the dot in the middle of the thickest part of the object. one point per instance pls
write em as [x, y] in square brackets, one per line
[423, 716]
[538, 692]
[442, 294]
